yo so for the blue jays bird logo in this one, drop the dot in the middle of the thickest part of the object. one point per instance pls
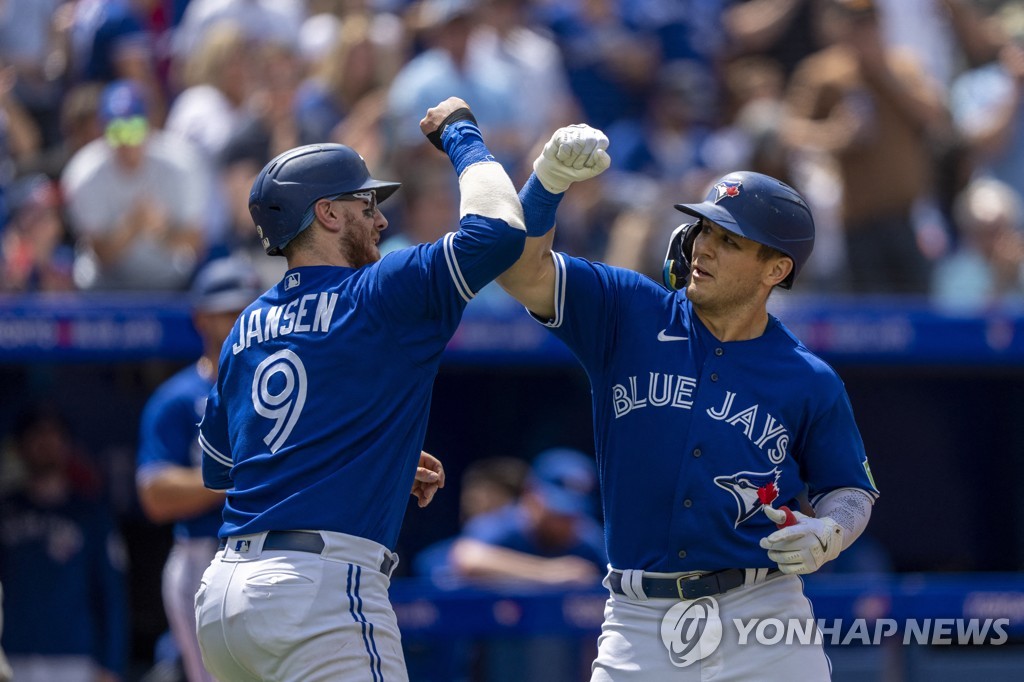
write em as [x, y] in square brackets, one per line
[727, 188]
[749, 489]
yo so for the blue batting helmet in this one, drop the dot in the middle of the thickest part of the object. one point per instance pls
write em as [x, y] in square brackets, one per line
[284, 193]
[754, 206]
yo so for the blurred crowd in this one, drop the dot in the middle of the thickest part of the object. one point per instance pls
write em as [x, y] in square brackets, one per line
[130, 130]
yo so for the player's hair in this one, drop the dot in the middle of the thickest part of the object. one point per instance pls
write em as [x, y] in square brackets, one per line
[300, 242]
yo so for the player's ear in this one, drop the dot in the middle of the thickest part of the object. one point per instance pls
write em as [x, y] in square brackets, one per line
[779, 269]
[324, 211]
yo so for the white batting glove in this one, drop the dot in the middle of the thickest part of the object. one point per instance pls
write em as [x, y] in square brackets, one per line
[804, 546]
[574, 153]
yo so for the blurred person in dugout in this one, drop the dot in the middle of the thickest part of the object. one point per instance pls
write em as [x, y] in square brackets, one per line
[486, 485]
[875, 115]
[62, 561]
[986, 270]
[136, 198]
[169, 477]
[548, 537]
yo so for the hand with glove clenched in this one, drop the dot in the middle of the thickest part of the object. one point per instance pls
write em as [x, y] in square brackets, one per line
[804, 546]
[574, 153]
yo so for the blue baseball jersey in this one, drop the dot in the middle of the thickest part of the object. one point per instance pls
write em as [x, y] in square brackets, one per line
[691, 433]
[320, 408]
[168, 437]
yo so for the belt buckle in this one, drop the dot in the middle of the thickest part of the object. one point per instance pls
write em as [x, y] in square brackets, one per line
[679, 584]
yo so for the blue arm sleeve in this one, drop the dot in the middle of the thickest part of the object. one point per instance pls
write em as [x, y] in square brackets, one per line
[539, 206]
[464, 145]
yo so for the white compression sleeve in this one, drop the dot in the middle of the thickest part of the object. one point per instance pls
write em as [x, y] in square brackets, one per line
[487, 191]
[850, 508]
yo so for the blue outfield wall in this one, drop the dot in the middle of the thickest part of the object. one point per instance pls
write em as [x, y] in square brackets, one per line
[496, 330]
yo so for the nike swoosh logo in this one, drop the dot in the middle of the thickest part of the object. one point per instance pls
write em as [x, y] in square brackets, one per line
[662, 336]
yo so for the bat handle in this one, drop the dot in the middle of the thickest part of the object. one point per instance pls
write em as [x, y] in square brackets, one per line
[790, 518]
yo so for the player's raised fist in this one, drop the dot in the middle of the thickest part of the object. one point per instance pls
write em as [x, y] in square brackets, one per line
[444, 114]
[574, 153]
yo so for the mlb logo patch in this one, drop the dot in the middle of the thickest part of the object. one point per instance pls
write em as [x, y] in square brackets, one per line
[291, 281]
[242, 545]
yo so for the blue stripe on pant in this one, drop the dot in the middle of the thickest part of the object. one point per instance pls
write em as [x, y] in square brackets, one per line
[356, 609]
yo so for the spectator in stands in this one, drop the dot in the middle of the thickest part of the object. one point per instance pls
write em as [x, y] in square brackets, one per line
[445, 68]
[216, 77]
[61, 563]
[506, 40]
[118, 40]
[780, 30]
[875, 113]
[987, 268]
[136, 200]
[35, 250]
[79, 125]
[430, 202]
[19, 134]
[169, 476]
[353, 66]
[262, 21]
[988, 102]
[269, 126]
[610, 62]
[31, 44]
[549, 537]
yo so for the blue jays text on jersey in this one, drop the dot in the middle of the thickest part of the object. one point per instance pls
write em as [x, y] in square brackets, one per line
[689, 428]
[321, 404]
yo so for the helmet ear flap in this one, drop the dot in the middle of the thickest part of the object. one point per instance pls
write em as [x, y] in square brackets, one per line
[676, 271]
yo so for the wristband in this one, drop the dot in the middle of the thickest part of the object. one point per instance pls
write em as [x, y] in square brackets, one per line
[460, 114]
[539, 206]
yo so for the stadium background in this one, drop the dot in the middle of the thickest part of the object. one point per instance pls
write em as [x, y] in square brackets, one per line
[938, 395]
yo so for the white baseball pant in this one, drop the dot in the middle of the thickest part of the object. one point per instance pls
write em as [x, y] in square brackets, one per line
[292, 615]
[631, 648]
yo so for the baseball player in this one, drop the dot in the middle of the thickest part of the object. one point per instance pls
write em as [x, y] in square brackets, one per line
[168, 477]
[315, 424]
[710, 417]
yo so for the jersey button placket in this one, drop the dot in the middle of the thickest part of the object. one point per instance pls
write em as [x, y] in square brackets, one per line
[719, 352]
[682, 554]
[687, 503]
[697, 452]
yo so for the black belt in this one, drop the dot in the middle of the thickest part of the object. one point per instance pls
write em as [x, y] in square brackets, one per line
[685, 587]
[303, 541]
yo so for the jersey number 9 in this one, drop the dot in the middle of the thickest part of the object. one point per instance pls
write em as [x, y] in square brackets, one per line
[284, 406]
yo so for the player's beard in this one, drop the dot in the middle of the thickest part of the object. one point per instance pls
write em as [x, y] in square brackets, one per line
[358, 241]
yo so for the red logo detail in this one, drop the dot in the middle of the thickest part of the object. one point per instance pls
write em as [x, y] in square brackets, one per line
[727, 189]
[767, 493]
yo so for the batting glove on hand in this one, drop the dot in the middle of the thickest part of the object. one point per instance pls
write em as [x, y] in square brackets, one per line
[573, 153]
[804, 546]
